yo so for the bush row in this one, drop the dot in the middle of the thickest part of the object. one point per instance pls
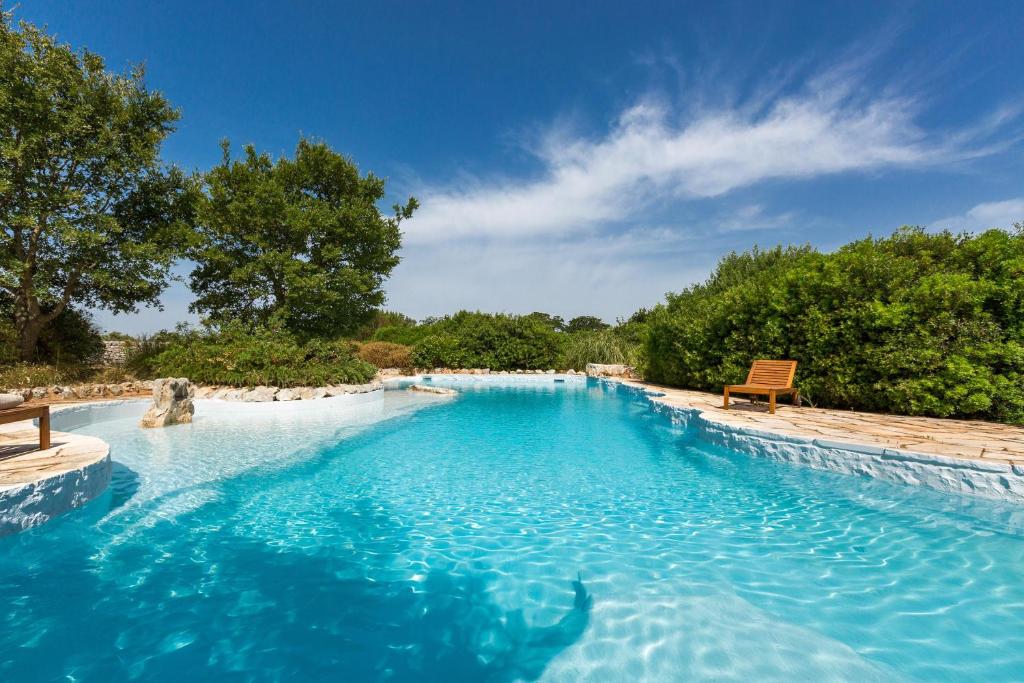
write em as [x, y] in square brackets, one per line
[916, 323]
[510, 342]
[239, 355]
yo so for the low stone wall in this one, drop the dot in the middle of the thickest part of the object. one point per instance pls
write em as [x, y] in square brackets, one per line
[85, 391]
[606, 370]
[265, 394]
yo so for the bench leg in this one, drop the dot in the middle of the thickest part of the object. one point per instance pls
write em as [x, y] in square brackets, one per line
[725, 399]
[796, 398]
[44, 430]
[771, 401]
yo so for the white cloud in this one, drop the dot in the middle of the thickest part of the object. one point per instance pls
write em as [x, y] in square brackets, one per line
[1002, 214]
[650, 157]
[606, 276]
[752, 217]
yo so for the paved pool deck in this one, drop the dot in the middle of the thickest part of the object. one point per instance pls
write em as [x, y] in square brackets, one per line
[968, 439]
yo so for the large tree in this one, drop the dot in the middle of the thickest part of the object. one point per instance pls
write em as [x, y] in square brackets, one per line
[89, 215]
[298, 240]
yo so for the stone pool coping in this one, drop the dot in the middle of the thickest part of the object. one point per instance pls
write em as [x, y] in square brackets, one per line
[959, 456]
[36, 486]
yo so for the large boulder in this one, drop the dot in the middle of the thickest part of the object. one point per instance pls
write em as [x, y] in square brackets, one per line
[172, 403]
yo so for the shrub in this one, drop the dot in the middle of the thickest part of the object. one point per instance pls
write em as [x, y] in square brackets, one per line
[442, 350]
[604, 346]
[916, 323]
[496, 341]
[381, 319]
[407, 335]
[72, 338]
[240, 356]
[25, 375]
[386, 354]
[586, 323]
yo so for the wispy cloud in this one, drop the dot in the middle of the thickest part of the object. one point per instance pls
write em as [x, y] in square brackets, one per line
[652, 156]
[1001, 214]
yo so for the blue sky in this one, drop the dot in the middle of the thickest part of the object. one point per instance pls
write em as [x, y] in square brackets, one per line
[585, 158]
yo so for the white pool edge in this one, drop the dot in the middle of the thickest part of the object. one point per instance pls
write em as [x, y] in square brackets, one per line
[992, 480]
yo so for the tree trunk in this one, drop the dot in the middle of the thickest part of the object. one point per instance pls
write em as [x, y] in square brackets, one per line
[29, 321]
[28, 336]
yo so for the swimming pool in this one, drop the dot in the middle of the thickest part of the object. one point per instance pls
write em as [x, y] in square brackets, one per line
[520, 531]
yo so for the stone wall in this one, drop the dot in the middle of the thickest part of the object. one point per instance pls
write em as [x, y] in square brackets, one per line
[115, 352]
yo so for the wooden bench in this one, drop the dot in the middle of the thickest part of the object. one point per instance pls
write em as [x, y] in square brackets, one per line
[769, 378]
[30, 413]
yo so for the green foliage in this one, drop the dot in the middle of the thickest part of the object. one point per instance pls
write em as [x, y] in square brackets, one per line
[482, 340]
[386, 354]
[238, 355]
[381, 319]
[297, 240]
[72, 339]
[553, 321]
[586, 323]
[601, 346]
[119, 336]
[26, 375]
[90, 216]
[916, 323]
[407, 335]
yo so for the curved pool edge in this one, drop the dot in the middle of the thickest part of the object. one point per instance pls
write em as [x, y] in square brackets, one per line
[74, 471]
[970, 476]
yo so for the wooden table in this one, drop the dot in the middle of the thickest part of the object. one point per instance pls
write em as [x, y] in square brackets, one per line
[30, 413]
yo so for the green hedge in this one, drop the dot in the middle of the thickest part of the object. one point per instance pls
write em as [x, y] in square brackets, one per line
[237, 355]
[916, 323]
[483, 340]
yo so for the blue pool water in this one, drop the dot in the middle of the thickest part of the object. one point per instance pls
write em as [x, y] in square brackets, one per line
[541, 531]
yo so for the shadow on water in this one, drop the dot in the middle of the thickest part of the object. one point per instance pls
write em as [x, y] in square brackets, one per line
[124, 483]
[217, 594]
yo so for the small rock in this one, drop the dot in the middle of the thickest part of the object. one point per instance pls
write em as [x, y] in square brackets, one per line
[443, 391]
[39, 392]
[288, 395]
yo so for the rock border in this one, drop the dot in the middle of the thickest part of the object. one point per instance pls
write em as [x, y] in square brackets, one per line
[266, 394]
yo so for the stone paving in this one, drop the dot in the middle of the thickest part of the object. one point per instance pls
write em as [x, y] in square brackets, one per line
[970, 439]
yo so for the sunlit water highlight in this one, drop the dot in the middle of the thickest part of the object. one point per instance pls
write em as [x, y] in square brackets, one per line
[546, 531]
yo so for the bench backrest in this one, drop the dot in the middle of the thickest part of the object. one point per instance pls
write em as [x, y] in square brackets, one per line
[776, 373]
